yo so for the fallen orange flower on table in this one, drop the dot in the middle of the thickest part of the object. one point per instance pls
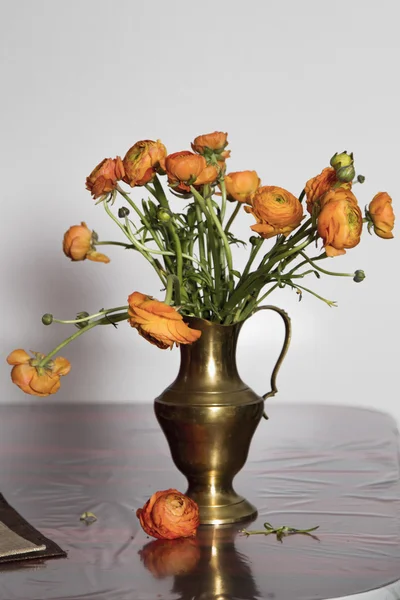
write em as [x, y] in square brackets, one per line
[168, 514]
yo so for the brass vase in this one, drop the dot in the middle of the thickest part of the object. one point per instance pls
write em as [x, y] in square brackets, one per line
[209, 416]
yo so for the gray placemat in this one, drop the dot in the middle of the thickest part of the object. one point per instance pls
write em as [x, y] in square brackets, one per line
[19, 540]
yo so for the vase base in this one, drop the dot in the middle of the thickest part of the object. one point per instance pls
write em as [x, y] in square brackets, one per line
[227, 514]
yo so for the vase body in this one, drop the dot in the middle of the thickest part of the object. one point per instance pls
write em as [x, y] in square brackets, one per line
[209, 416]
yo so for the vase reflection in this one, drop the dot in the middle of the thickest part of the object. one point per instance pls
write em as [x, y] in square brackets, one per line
[207, 567]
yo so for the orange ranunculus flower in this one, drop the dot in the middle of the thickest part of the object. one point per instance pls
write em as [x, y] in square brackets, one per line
[277, 211]
[168, 515]
[78, 244]
[35, 380]
[158, 322]
[341, 193]
[340, 222]
[103, 179]
[381, 214]
[317, 186]
[142, 160]
[216, 142]
[186, 168]
[165, 558]
[241, 185]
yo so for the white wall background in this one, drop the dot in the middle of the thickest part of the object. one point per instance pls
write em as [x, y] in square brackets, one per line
[291, 81]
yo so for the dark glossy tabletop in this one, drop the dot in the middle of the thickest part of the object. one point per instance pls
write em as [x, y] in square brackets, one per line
[335, 467]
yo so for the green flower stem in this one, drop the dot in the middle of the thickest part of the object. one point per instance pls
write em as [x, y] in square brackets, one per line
[311, 262]
[142, 217]
[88, 318]
[173, 288]
[104, 321]
[114, 244]
[331, 303]
[201, 233]
[233, 216]
[178, 253]
[223, 198]
[252, 280]
[211, 241]
[288, 252]
[228, 253]
[130, 236]
[303, 193]
[248, 309]
[159, 193]
[254, 251]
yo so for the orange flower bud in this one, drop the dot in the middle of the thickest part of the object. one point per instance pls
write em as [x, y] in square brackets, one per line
[78, 244]
[165, 558]
[142, 160]
[33, 379]
[317, 186]
[339, 222]
[214, 142]
[158, 322]
[241, 185]
[380, 212]
[103, 179]
[276, 210]
[168, 515]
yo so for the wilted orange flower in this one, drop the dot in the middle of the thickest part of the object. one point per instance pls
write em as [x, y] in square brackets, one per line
[142, 160]
[164, 558]
[78, 244]
[381, 214]
[168, 514]
[339, 223]
[158, 322]
[103, 179]
[317, 186]
[35, 380]
[277, 211]
[216, 142]
[241, 185]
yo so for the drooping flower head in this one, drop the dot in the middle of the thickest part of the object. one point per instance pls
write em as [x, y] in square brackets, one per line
[276, 210]
[158, 322]
[241, 185]
[79, 244]
[142, 160]
[381, 216]
[103, 179]
[33, 379]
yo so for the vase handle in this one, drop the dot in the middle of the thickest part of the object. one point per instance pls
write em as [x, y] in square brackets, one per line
[285, 347]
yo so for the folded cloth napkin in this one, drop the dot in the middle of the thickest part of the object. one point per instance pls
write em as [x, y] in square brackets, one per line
[19, 540]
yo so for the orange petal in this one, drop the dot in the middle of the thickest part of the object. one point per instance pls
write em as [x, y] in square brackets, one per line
[61, 366]
[18, 357]
[97, 257]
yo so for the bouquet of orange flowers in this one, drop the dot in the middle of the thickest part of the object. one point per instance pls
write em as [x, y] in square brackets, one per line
[190, 249]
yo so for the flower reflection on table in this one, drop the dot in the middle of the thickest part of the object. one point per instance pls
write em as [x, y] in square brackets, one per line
[206, 567]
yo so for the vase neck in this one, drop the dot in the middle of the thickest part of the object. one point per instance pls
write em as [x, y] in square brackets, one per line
[210, 363]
